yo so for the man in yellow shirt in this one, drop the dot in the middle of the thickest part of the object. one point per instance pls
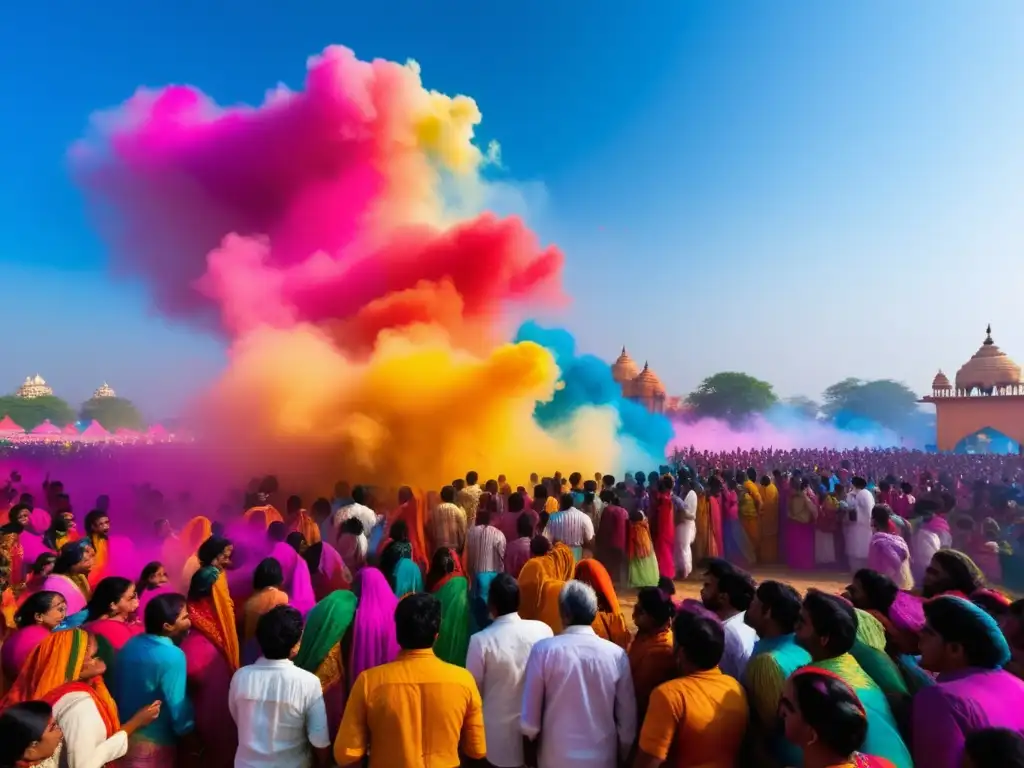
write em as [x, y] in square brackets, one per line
[417, 710]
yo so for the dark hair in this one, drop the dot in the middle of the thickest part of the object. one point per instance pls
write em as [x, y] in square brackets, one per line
[957, 621]
[92, 517]
[45, 559]
[963, 579]
[277, 531]
[782, 602]
[539, 545]
[739, 586]
[163, 609]
[417, 621]
[832, 709]
[524, 525]
[110, 590]
[701, 638]
[881, 591]
[20, 726]
[881, 514]
[71, 554]
[859, 483]
[359, 495]
[504, 594]
[657, 604]
[834, 618]
[278, 631]
[211, 549]
[147, 573]
[472, 478]
[566, 501]
[399, 530]
[36, 603]
[293, 503]
[516, 503]
[717, 567]
[995, 748]
[267, 574]
[352, 526]
[295, 540]
[448, 494]
[441, 564]
[666, 585]
[540, 492]
[993, 604]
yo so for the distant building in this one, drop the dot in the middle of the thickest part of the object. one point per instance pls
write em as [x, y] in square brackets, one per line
[644, 387]
[34, 386]
[982, 411]
[105, 390]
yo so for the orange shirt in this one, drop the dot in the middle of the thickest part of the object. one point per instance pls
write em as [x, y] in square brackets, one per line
[417, 710]
[699, 720]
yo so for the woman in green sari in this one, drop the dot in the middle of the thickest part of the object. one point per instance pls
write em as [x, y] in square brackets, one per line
[322, 653]
[447, 582]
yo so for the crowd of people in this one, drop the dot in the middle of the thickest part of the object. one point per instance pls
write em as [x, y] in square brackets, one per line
[482, 624]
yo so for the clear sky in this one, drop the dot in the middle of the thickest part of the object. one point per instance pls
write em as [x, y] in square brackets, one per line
[802, 191]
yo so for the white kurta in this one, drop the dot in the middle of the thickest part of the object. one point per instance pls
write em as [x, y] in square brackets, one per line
[85, 742]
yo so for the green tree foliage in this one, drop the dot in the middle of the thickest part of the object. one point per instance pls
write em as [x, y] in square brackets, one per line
[731, 396]
[30, 412]
[113, 413]
[804, 406]
[889, 403]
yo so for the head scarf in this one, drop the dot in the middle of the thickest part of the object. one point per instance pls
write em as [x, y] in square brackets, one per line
[555, 566]
[978, 620]
[214, 616]
[297, 582]
[52, 671]
[870, 630]
[954, 561]
[373, 630]
[596, 575]
[196, 531]
[408, 578]
[326, 626]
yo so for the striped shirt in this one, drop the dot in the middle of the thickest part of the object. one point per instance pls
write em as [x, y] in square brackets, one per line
[572, 527]
[485, 550]
[446, 527]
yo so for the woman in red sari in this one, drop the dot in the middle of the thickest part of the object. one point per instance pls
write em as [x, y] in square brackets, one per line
[211, 652]
[663, 527]
[411, 510]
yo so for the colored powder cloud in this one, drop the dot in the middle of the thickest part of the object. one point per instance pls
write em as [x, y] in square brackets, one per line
[332, 236]
[586, 381]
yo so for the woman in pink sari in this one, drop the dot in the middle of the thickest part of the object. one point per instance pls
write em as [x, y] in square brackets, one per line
[210, 667]
[297, 583]
[801, 512]
[663, 528]
[373, 630]
[37, 617]
[70, 577]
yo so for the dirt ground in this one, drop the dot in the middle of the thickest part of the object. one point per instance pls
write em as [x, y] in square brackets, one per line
[831, 581]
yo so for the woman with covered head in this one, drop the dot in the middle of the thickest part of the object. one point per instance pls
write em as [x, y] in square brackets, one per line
[373, 629]
[323, 650]
[610, 622]
[297, 582]
[212, 657]
[964, 646]
[822, 715]
[268, 592]
[888, 552]
[183, 553]
[448, 584]
[70, 577]
[37, 617]
[950, 570]
[412, 511]
[66, 672]
[542, 579]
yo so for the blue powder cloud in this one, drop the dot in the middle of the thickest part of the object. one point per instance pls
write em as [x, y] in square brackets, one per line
[587, 381]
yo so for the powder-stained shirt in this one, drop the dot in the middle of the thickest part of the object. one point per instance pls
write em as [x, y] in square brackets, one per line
[572, 527]
[416, 710]
[485, 550]
[446, 527]
[469, 499]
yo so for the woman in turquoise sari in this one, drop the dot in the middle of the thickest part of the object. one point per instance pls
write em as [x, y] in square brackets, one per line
[480, 614]
[447, 582]
[397, 565]
[322, 650]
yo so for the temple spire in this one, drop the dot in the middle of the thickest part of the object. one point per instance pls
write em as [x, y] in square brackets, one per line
[988, 334]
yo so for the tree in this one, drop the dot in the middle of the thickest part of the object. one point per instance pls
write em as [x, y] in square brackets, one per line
[803, 406]
[888, 403]
[731, 396]
[113, 413]
[30, 412]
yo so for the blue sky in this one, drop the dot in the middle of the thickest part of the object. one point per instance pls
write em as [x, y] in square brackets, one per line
[803, 191]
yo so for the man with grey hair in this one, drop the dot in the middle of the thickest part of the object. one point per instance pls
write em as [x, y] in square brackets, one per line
[579, 709]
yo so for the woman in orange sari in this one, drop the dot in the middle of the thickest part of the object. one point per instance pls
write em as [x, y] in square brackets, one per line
[610, 623]
[540, 583]
[186, 559]
[66, 672]
[262, 513]
[212, 656]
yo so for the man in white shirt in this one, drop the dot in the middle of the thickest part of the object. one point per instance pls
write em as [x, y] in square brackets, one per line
[578, 698]
[497, 660]
[685, 512]
[858, 530]
[571, 526]
[358, 510]
[728, 592]
[278, 707]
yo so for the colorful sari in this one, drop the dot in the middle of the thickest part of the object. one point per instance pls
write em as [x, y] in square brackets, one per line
[452, 591]
[111, 636]
[799, 532]
[408, 578]
[305, 525]
[257, 605]
[663, 532]
[330, 573]
[11, 548]
[540, 583]
[643, 565]
[610, 623]
[749, 516]
[890, 556]
[16, 649]
[321, 650]
[413, 513]
[101, 561]
[480, 613]
[262, 516]
[75, 590]
[196, 531]
[769, 524]
[883, 737]
[739, 549]
[612, 542]
[373, 629]
[297, 582]
[652, 661]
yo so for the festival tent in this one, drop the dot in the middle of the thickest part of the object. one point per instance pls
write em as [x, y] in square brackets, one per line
[157, 432]
[70, 430]
[8, 427]
[47, 429]
[94, 431]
